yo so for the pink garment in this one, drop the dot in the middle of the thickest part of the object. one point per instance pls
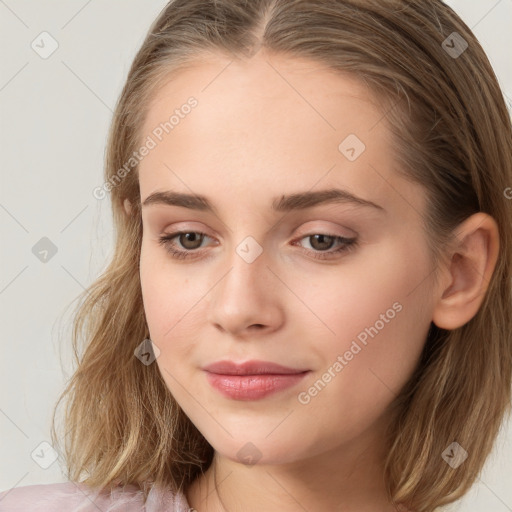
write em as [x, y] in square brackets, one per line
[73, 497]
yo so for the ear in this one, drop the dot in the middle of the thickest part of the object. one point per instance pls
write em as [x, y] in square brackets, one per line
[127, 206]
[471, 262]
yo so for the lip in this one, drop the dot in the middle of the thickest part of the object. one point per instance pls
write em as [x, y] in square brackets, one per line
[251, 380]
[254, 367]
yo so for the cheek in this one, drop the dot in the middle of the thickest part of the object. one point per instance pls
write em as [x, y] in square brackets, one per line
[174, 314]
[383, 287]
[164, 294]
[376, 317]
[167, 292]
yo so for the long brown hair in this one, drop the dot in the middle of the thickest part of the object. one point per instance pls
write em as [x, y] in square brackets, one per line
[452, 134]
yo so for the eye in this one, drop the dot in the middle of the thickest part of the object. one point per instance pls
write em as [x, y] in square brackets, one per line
[191, 241]
[322, 242]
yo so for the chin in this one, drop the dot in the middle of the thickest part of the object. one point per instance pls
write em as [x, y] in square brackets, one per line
[254, 449]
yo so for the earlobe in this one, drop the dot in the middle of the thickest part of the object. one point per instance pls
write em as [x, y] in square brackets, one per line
[471, 265]
[127, 206]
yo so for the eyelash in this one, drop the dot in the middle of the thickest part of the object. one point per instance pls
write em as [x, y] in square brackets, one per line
[348, 244]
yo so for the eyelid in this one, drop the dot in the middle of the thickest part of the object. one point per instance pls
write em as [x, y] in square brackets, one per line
[308, 229]
[348, 243]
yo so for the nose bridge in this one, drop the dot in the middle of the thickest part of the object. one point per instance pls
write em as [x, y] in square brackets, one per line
[248, 273]
[245, 294]
[246, 240]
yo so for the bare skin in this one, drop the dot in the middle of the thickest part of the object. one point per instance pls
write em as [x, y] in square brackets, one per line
[262, 129]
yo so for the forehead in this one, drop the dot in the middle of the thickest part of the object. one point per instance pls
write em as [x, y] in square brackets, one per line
[288, 88]
[266, 125]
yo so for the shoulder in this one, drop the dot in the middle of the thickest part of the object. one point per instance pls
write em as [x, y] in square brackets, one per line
[78, 497]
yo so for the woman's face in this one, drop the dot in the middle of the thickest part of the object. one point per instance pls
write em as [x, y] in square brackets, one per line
[338, 291]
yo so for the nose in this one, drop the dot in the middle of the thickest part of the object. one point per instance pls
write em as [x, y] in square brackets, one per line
[247, 299]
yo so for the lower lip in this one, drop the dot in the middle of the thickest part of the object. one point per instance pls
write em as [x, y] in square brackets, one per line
[252, 387]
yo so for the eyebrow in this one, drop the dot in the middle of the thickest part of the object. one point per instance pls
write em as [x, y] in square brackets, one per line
[285, 203]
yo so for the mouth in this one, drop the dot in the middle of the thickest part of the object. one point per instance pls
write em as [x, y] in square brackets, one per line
[251, 368]
[251, 380]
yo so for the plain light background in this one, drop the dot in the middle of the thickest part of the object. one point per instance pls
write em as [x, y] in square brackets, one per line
[55, 113]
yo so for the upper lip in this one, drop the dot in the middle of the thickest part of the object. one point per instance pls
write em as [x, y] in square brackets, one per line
[250, 368]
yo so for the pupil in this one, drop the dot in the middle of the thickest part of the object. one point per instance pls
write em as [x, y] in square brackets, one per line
[190, 237]
[323, 243]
